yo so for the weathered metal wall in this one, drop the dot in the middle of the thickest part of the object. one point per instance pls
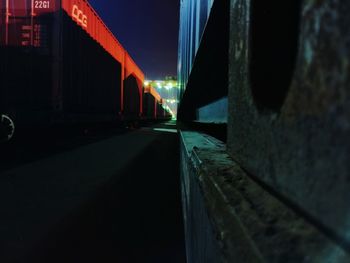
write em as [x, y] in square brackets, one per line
[194, 15]
[229, 217]
[288, 133]
[206, 67]
[289, 103]
[201, 243]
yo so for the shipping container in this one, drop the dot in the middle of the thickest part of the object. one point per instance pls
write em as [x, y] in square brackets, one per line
[160, 111]
[194, 15]
[150, 99]
[60, 63]
[153, 105]
[132, 99]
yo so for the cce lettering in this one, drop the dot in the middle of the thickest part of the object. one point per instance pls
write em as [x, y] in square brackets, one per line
[79, 16]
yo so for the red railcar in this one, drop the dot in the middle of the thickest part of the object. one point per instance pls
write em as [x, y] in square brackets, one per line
[150, 100]
[153, 105]
[60, 63]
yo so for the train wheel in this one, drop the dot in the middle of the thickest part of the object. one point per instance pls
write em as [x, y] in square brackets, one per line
[7, 128]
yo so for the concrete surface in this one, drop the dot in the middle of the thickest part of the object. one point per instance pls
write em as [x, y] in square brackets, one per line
[110, 196]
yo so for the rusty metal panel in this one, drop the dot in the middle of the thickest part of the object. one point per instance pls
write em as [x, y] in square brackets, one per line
[289, 104]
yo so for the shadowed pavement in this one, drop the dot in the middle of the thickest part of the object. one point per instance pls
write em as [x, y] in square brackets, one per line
[116, 200]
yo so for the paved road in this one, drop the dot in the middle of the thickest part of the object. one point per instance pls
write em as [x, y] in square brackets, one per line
[95, 198]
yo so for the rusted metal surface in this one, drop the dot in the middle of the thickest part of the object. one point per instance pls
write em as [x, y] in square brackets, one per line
[300, 149]
[229, 217]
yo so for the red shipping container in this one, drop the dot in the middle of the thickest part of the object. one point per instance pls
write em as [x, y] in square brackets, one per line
[41, 27]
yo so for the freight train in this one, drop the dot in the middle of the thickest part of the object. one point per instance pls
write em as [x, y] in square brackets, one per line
[59, 63]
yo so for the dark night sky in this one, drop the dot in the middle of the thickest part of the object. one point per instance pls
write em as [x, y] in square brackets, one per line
[148, 30]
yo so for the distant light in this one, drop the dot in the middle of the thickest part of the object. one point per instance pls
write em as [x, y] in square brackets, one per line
[169, 85]
[146, 83]
[159, 85]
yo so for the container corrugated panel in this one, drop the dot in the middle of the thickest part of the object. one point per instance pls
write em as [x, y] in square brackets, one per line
[25, 78]
[2, 21]
[153, 99]
[149, 106]
[91, 77]
[154, 93]
[160, 111]
[21, 21]
[26, 61]
[20, 28]
[194, 15]
[84, 15]
[73, 55]
[132, 98]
